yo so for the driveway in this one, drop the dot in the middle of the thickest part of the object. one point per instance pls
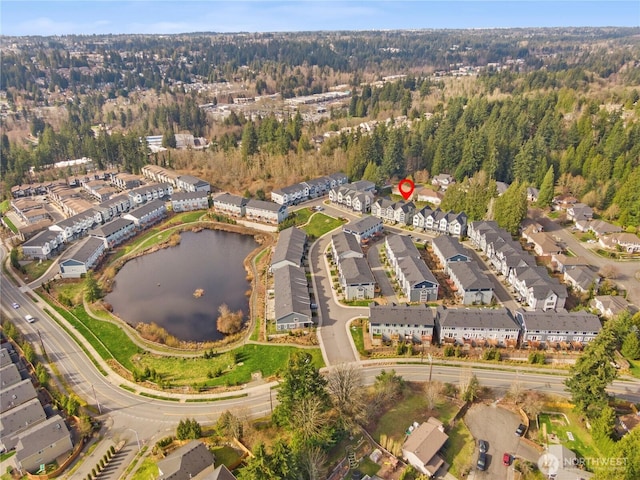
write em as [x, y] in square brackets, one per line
[497, 426]
[379, 272]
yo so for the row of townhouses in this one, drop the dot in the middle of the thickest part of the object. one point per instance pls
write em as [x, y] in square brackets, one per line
[36, 437]
[364, 229]
[186, 183]
[531, 283]
[299, 192]
[251, 209]
[292, 301]
[438, 221]
[357, 196]
[388, 211]
[482, 326]
[469, 283]
[354, 274]
[414, 277]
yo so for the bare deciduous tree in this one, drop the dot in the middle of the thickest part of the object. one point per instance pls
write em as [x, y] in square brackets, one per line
[344, 383]
[312, 463]
[610, 271]
[432, 394]
[516, 391]
[311, 420]
[229, 322]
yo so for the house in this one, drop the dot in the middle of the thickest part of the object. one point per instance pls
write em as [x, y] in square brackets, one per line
[337, 179]
[82, 257]
[364, 186]
[564, 202]
[16, 394]
[501, 187]
[148, 214]
[598, 227]
[17, 420]
[42, 444]
[449, 250]
[579, 211]
[610, 306]
[160, 174]
[364, 229]
[551, 328]
[448, 223]
[189, 183]
[429, 195]
[473, 287]
[290, 195]
[189, 201]
[265, 212]
[42, 245]
[413, 275]
[115, 232]
[399, 246]
[403, 213]
[422, 446]
[348, 196]
[361, 202]
[126, 181]
[356, 279]
[532, 194]
[148, 193]
[292, 301]
[290, 249]
[443, 180]
[582, 278]
[402, 322]
[9, 375]
[230, 204]
[186, 462]
[537, 289]
[477, 325]
[543, 244]
[113, 207]
[628, 242]
[220, 473]
[344, 246]
[564, 465]
[76, 226]
[384, 209]
[560, 262]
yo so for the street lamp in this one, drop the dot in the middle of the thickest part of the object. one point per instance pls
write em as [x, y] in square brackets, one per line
[137, 438]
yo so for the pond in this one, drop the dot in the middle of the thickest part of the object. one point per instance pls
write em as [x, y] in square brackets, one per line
[160, 287]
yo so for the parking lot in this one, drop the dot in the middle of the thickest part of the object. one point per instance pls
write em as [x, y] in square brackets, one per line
[497, 426]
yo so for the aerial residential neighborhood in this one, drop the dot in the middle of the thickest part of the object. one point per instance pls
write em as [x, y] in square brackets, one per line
[321, 250]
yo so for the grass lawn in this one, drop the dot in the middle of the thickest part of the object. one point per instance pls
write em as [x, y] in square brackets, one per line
[302, 215]
[6, 455]
[582, 444]
[148, 470]
[321, 224]
[356, 333]
[185, 217]
[226, 455]
[368, 467]
[358, 303]
[10, 224]
[36, 269]
[634, 367]
[5, 206]
[459, 449]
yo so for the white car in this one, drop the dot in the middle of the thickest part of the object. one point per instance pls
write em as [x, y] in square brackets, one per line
[15, 305]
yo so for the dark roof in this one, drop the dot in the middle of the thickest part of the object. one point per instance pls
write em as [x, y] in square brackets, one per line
[290, 247]
[229, 199]
[582, 275]
[356, 271]
[220, 473]
[178, 196]
[41, 436]
[402, 246]
[40, 239]
[149, 188]
[9, 375]
[470, 276]
[415, 271]
[476, 317]
[111, 227]
[186, 462]
[147, 208]
[345, 243]
[263, 205]
[291, 292]
[16, 394]
[401, 315]
[19, 418]
[84, 249]
[362, 225]
[449, 247]
[80, 217]
[190, 179]
[559, 321]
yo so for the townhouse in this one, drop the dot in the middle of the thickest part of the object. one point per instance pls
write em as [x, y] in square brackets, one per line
[318, 186]
[292, 300]
[299, 192]
[19, 419]
[356, 279]
[478, 325]
[337, 179]
[416, 280]
[161, 174]
[148, 214]
[99, 189]
[449, 250]
[357, 196]
[561, 262]
[582, 278]
[345, 246]
[189, 183]
[232, 205]
[472, 286]
[364, 229]
[404, 323]
[393, 212]
[189, 201]
[554, 329]
[148, 193]
[437, 221]
[291, 249]
[29, 210]
[114, 207]
[126, 181]
[537, 289]
[42, 444]
[81, 258]
[115, 232]
[77, 225]
[265, 212]
[291, 195]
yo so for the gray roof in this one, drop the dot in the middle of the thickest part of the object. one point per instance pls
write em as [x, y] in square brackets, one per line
[178, 196]
[291, 292]
[9, 375]
[416, 271]
[470, 276]
[83, 250]
[362, 225]
[356, 271]
[449, 247]
[147, 208]
[186, 462]
[345, 243]
[362, 185]
[40, 239]
[115, 200]
[149, 189]
[229, 199]
[402, 246]
[338, 176]
[16, 394]
[20, 418]
[401, 315]
[190, 179]
[476, 317]
[220, 473]
[290, 247]
[582, 275]
[111, 227]
[80, 217]
[41, 436]
[263, 205]
[580, 321]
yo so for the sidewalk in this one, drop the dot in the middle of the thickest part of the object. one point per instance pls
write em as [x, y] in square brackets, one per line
[89, 462]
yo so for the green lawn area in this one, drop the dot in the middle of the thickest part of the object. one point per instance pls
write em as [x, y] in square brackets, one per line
[4, 456]
[148, 470]
[10, 224]
[36, 269]
[5, 205]
[321, 224]
[582, 444]
[356, 333]
[302, 215]
[358, 303]
[185, 217]
[459, 449]
[634, 367]
[226, 455]
[368, 467]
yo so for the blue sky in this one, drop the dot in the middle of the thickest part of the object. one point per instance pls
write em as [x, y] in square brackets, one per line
[60, 17]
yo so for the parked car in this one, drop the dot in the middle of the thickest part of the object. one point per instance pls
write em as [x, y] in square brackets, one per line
[521, 429]
[15, 305]
[506, 459]
[483, 446]
[482, 461]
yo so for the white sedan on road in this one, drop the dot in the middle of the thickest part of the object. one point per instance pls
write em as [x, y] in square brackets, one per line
[15, 305]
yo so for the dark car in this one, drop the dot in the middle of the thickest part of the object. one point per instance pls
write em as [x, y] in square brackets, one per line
[483, 446]
[506, 459]
[482, 461]
[521, 429]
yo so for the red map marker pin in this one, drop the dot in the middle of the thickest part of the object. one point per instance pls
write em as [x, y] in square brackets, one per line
[406, 188]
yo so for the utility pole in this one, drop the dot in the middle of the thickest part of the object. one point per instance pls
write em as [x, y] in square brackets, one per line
[44, 352]
[430, 367]
[96, 398]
